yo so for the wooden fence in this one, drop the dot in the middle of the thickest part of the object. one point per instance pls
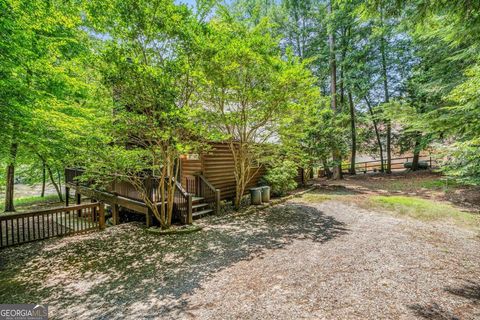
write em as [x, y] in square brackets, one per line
[397, 164]
[20, 228]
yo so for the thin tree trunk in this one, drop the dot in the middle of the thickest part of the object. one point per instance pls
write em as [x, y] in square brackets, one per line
[383, 45]
[55, 184]
[297, 36]
[10, 181]
[337, 161]
[59, 176]
[328, 173]
[353, 133]
[44, 179]
[416, 152]
[377, 133]
[343, 54]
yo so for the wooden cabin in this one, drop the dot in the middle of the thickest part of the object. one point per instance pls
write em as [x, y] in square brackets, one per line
[205, 180]
[217, 166]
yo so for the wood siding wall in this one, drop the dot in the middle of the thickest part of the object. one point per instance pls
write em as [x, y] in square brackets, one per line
[189, 168]
[218, 167]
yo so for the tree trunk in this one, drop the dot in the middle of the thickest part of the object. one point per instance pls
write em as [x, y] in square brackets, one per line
[55, 184]
[241, 171]
[297, 36]
[337, 161]
[59, 176]
[377, 133]
[387, 99]
[10, 181]
[344, 41]
[353, 133]
[416, 152]
[328, 173]
[44, 179]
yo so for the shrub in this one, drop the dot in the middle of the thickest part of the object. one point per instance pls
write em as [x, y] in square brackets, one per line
[281, 178]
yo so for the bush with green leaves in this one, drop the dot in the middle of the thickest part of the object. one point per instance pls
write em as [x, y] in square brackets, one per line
[281, 177]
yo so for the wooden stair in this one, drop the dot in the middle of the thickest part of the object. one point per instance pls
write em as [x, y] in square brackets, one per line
[200, 208]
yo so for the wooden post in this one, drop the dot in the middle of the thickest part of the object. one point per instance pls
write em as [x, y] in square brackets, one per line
[148, 218]
[115, 214]
[67, 196]
[217, 201]
[101, 215]
[189, 217]
[430, 162]
[94, 208]
[78, 198]
[198, 189]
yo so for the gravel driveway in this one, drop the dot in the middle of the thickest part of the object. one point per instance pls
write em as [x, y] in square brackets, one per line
[326, 260]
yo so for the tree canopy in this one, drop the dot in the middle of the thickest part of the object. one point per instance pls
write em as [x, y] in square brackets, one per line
[125, 88]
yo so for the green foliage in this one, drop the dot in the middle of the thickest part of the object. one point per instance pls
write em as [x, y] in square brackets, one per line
[281, 177]
[45, 85]
[425, 209]
[251, 92]
[148, 63]
[447, 78]
[127, 87]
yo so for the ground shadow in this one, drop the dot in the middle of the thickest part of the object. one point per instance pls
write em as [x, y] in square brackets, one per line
[432, 312]
[336, 190]
[125, 268]
[468, 290]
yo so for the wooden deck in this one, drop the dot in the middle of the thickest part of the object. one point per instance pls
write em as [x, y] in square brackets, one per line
[110, 198]
[121, 194]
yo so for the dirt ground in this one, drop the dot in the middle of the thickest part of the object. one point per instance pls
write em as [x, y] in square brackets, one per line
[25, 190]
[424, 184]
[306, 259]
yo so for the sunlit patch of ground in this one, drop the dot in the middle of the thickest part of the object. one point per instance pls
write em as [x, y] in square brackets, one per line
[328, 254]
[125, 268]
[424, 184]
[423, 195]
[424, 209]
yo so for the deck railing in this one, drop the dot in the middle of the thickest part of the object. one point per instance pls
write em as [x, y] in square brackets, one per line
[182, 198]
[183, 204]
[210, 194]
[20, 228]
[191, 184]
[182, 208]
[118, 187]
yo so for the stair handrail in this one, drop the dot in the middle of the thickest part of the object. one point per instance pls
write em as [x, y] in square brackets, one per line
[213, 190]
[186, 203]
[207, 183]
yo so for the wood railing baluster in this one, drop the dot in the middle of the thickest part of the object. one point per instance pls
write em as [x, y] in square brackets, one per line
[50, 223]
[23, 229]
[13, 234]
[6, 231]
[18, 230]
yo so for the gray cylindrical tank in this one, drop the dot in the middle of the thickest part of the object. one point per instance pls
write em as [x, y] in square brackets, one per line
[266, 194]
[256, 195]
